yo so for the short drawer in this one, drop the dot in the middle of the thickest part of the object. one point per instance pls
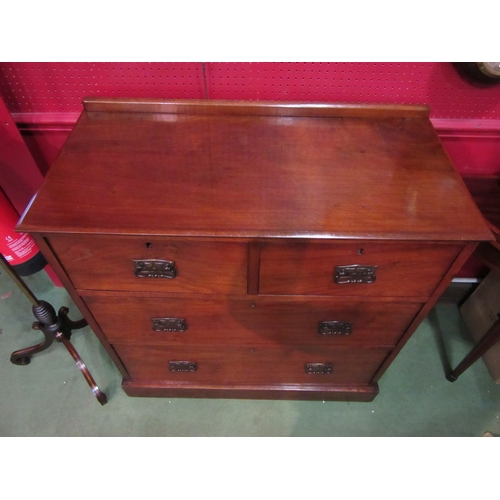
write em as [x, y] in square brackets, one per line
[257, 320]
[104, 262]
[251, 365]
[354, 268]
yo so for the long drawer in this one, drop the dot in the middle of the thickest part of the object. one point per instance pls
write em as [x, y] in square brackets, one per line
[363, 269]
[257, 320]
[135, 263]
[251, 364]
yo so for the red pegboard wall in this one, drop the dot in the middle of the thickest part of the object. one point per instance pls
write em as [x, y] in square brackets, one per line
[60, 87]
[436, 84]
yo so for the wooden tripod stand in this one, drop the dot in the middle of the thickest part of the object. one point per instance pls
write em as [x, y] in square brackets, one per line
[54, 327]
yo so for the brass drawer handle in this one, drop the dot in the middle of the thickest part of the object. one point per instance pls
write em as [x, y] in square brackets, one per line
[334, 328]
[182, 366]
[318, 368]
[155, 268]
[169, 324]
[355, 273]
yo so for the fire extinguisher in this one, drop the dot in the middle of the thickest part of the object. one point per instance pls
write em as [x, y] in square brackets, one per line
[19, 249]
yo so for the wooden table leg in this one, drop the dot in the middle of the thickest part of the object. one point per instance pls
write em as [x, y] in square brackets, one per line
[488, 340]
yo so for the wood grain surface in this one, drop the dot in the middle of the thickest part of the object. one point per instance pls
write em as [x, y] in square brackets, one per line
[103, 262]
[251, 365]
[380, 176]
[307, 268]
[258, 320]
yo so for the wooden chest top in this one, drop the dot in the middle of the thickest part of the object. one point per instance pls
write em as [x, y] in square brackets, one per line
[248, 169]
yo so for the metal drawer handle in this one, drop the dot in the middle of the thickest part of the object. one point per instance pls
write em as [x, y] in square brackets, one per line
[155, 268]
[318, 368]
[334, 328]
[355, 273]
[169, 324]
[182, 366]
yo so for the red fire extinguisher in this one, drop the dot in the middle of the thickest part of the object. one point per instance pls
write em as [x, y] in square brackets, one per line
[19, 249]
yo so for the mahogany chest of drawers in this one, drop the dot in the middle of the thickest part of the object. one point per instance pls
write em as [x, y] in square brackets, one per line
[258, 250]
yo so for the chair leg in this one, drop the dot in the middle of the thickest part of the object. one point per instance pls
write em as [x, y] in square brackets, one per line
[489, 339]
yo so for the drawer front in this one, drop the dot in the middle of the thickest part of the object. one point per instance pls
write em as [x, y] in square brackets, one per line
[259, 320]
[354, 269]
[104, 262]
[251, 365]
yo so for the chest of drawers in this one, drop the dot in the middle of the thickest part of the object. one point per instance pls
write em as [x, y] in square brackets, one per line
[258, 250]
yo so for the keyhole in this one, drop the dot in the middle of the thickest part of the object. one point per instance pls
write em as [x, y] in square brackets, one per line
[360, 251]
[149, 245]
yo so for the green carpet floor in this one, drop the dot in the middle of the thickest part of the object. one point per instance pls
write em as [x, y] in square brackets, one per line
[50, 397]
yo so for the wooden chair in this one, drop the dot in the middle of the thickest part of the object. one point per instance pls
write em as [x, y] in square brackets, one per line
[486, 193]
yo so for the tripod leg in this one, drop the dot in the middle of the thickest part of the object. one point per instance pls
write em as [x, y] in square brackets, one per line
[73, 325]
[23, 356]
[101, 397]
